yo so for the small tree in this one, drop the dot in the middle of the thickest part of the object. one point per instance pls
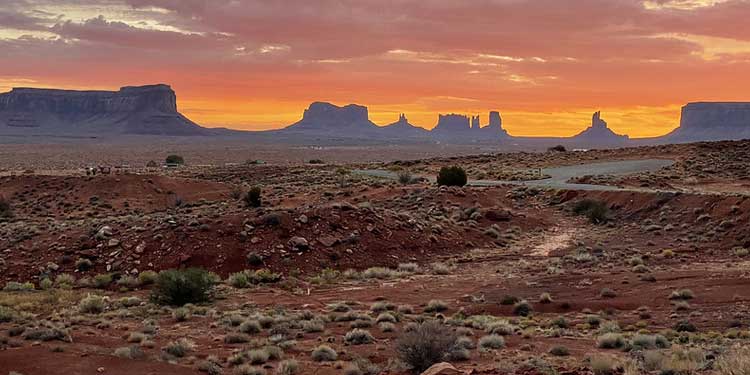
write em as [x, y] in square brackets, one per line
[452, 176]
[426, 345]
[252, 197]
[178, 287]
[175, 159]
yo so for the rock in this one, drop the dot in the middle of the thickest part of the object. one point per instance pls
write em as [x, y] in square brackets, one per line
[327, 241]
[103, 233]
[443, 368]
[302, 219]
[114, 242]
[299, 244]
[131, 110]
[708, 121]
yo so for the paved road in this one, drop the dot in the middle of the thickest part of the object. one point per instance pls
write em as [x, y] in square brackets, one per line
[560, 175]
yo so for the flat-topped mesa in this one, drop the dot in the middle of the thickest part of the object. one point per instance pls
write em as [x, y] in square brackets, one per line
[321, 116]
[470, 127]
[713, 121]
[148, 109]
[452, 123]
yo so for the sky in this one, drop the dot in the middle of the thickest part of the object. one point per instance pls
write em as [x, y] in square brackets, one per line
[546, 65]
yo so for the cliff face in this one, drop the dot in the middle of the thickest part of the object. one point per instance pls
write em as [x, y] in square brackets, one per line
[325, 117]
[131, 110]
[453, 126]
[452, 123]
[706, 121]
[403, 129]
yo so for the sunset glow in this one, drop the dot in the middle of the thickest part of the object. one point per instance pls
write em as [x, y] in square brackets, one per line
[546, 65]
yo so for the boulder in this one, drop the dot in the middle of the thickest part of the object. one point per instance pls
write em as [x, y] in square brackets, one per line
[443, 368]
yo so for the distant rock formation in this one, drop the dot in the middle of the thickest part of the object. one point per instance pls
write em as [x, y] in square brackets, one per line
[402, 128]
[711, 121]
[461, 127]
[131, 110]
[320, 117]
[599, 133]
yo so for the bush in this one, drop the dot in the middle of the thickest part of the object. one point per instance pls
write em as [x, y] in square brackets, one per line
[610, 341]
[405, 178]
[522, 308]
[734, 362]
[315, 161]
[436, 306]
[179, 348]
[358, 337]
[451, 176]
[6, 211]
[596, 211]
[91, 304]
[682, 294]
[102, 280]
[324, 353]
[287, 367]
[252, 197]
[491, 342]
[250, 326]
[427, 344]
[560, 351]
[175, 159]
[178, 287]
[147, 277]
[558, 148]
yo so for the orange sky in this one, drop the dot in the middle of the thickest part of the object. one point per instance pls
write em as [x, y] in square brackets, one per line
[546, 65]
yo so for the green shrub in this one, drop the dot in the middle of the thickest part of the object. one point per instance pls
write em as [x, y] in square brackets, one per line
[178, 287]
[252, 197]
[425, 345]
[175, 159]
[102, 280]
[522, 308]
[597, 211]
[451, 176]
[6, 314]
[13, 286]
[405, 178]
[147, 277]
[324, 353]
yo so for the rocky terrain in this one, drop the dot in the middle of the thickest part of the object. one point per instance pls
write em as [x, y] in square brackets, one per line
[329, 272]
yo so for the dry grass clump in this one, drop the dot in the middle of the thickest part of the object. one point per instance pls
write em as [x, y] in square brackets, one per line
[426, 344]
[324, 353]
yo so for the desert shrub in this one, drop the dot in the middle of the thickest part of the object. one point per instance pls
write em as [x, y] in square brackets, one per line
[252, 197]
[682, 294]
[425, 345]
[179, 348]
[436, 306]
[408, 267]
[174, 159]
[287, 367]
[644, 342]
[684, 326]
[6, 210]
[597, 211]
[491, 342]
[130, 352]
[65, 280]
[385, 317]
[147, 277]
[387, 327]
[45, 284]
[502, 328]
[178, 287]
[607, 293]
[181, 314]
[451, 176]
[522, 308]
[239, 280]
[46, 334]
[324, 353]
[558, 148]
[13, 286]
[610, 341]
[734, 362]
[249, 370]
[545, 298]
[6, 314]
[83, 264]
[236, 338]
[102, 280]
[602, 365]
[91, 304]
[358, 337]
[257, 356]
[509, 300]
[250, 327]
[560, 351]
[405, 177]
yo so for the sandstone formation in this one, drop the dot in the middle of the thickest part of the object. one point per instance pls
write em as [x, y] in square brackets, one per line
[322, 118]
[707, 121]
[148, 110]
[460, 127]
[403, 129]
[599, 133]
